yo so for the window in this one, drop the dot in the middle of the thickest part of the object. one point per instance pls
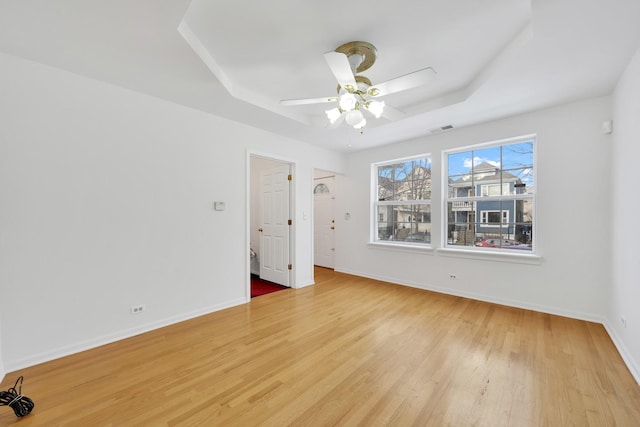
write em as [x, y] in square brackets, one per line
[490, 196]
[494, 189]
[320, 189]
[493, 217]
[402, 206]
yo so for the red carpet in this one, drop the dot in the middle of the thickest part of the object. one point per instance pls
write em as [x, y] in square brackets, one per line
[262, 287]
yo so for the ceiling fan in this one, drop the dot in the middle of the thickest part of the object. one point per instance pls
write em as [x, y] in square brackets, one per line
[356, 92]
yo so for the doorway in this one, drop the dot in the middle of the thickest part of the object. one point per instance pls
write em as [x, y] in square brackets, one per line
[270, 229]
[324, 224]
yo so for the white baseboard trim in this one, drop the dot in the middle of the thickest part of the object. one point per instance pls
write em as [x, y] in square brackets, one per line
[14, 365]
[632, 365]
[485, 298]
[304, 284]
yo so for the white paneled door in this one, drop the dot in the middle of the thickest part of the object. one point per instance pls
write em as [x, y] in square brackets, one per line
[324, 223]
[274, 224]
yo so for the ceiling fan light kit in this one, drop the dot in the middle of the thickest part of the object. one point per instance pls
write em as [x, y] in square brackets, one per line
[356, 92]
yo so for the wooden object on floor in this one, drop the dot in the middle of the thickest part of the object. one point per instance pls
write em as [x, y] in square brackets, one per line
[347, 351]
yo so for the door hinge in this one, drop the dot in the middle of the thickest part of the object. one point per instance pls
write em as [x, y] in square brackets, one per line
[289, 177]
[290, 267]
[289, 222]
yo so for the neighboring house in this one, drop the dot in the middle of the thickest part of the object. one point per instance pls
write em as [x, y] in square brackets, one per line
[405, 222]
[471, 221]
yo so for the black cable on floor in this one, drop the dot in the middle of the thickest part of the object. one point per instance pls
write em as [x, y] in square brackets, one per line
[13, 398]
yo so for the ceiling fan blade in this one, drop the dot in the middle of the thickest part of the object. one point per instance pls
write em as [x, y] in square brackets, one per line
[391, 113]
[341, 69]
[337, 123]
[308, 101]
[408, 81]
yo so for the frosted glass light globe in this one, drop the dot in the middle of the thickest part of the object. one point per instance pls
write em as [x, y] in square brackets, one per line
[347, 102]
[354, 117]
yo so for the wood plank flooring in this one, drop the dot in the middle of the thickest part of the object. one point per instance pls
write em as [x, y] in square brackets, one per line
[348, 351]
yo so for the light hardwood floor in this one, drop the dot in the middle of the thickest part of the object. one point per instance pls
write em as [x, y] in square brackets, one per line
[348, 351]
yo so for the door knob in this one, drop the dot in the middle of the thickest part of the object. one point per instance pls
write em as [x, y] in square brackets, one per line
[260, 230]
[332, 227]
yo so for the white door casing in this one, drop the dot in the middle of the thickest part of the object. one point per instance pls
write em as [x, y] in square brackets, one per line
[274, 225]
[324, 223]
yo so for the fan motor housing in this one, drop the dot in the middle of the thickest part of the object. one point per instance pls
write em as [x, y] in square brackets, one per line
[366, 52]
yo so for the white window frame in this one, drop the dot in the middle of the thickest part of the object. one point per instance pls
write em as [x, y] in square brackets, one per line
[484, 214]
[509, 196]
[375, 204]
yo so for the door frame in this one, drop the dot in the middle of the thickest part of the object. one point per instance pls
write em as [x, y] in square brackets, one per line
[292, 209]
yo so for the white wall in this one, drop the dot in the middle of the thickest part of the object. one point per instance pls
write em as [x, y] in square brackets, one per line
[625, 285]
[107, 203]
[572, 229]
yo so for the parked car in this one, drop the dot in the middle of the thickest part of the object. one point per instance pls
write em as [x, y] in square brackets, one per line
[504, 244]
[419, 236]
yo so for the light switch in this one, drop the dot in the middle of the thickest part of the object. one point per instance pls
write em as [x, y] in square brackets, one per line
[219, 206]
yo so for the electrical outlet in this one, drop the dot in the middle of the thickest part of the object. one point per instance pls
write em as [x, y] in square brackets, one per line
[452, 276]
[623, 320]
[137, 309]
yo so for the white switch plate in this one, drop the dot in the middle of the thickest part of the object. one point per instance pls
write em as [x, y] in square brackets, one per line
[219, 206]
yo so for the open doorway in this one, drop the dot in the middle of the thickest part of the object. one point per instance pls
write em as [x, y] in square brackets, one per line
[270, 226]
[324, 223]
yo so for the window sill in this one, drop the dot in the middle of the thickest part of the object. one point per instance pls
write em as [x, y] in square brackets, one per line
[518, 258]
[401, 247]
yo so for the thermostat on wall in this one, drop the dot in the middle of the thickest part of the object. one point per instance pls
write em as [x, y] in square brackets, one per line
[219, 206]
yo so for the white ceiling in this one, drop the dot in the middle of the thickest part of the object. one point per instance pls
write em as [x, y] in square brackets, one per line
[493, 58]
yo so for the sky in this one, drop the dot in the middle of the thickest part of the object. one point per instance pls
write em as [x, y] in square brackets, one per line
[516, 157]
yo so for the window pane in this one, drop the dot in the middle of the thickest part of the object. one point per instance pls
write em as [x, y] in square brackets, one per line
[421, 169]
[517, 156]
[523, 180]
[486, 159]
[460, 186]
[409, 223]
[421, 189]
[461, 230]
[461, 234]
[385, 183]
[401, 191]
[385, 222]
[402, 171]
[493, 217]
[524, 222]
[459, 163]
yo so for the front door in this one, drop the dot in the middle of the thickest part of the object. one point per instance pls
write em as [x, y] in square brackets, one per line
[324, 223]
[274, 225]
